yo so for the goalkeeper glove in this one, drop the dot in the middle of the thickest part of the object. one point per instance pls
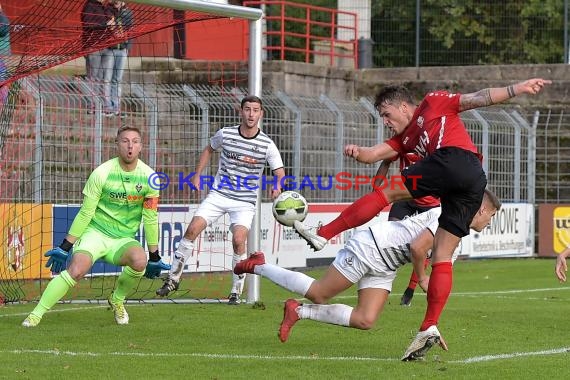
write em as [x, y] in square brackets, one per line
[58, 257]
[155, 265]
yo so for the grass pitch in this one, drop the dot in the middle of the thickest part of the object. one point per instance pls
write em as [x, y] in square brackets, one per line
[506, 319]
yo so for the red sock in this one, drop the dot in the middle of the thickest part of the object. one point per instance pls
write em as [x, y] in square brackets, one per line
[413, 280]
[439, 288]
[358, 213]
[414, 277]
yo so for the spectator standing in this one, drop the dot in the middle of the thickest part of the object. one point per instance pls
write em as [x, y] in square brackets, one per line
[97, 20]
[115, 57]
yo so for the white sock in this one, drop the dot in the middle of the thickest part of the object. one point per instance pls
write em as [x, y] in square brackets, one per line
[296, 282]
[181, 255]
[237, 280]
[336, 314]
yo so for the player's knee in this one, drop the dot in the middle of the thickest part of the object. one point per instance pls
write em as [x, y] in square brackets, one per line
[139, 263]
[362, 322]
[76, 273]
[197, 225]
[136, 259]
[317, 298]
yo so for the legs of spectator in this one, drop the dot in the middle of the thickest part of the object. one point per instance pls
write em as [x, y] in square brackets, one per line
[120, 59]
[107, 65]
[94, 75]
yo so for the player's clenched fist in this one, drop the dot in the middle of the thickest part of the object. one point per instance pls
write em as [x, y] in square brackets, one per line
[351, 150]
[533, 86]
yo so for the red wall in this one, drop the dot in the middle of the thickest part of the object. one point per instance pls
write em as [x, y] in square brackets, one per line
[224, 40]
[214, 40]
[155, 44]
[218, 39]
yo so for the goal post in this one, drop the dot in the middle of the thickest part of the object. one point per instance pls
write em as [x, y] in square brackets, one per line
[54, 132]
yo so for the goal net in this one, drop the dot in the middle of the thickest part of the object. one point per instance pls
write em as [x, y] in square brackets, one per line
[54, 130]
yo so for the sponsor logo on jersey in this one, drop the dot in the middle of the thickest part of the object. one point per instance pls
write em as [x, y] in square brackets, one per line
[117, 195]
[420, 121]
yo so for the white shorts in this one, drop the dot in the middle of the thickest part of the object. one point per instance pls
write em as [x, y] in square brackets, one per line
[349, 263]
[216, 205]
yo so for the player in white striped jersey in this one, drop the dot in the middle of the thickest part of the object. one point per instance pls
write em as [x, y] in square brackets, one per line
[370, 259]
[244, 150]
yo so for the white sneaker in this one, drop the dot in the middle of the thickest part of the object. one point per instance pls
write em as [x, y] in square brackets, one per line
[121, 315]
[421, 344]
[310, 235]
[31, 321]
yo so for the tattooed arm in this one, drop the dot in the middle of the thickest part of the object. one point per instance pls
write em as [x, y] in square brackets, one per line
[490, 96]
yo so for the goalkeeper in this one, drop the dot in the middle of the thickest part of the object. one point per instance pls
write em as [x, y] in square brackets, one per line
[117, 198]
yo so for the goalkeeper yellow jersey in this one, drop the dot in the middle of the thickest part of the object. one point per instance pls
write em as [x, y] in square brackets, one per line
[116, 202]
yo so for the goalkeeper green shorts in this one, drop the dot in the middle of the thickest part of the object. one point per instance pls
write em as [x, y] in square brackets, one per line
[100, 246]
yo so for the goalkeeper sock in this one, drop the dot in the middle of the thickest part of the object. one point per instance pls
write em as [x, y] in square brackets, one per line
[439, 288]
[126, 283]
[358, 213]
[336, 314]
[56, 289]
[293, 281]
[237, 280]
[181, 255]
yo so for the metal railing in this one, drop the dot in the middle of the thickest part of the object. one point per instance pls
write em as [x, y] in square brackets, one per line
[308, 33]
[53, 143]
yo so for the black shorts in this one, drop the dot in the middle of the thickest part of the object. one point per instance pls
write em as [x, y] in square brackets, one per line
[455, 176]
[403, 209]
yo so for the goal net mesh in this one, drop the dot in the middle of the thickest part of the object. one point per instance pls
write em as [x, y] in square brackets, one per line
[54, 131]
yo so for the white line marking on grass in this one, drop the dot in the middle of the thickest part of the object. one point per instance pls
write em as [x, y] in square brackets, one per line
[487, 293]
[486, 358]
[198, 355]
[494, 292]
[54, 311]
[476, 359]
[81, 308]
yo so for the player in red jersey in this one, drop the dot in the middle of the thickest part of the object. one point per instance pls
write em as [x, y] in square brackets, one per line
[450, 169]
[405, 209]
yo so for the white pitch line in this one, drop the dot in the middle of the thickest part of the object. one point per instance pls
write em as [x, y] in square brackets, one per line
[488, 293]
[487, 358]
[514, 291]
[476, 359]
[54, 311]
[58, 310]
[197, 355]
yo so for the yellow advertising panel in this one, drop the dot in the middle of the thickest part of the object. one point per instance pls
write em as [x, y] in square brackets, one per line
[25, 233]
[561, 229]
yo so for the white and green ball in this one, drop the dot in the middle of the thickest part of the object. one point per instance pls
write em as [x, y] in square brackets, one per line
[290, 206]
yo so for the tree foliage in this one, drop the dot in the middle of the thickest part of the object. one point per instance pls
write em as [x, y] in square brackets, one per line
[468, 32]
[452, 32]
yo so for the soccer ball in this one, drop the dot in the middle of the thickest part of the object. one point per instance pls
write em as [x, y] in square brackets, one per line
[290, 206]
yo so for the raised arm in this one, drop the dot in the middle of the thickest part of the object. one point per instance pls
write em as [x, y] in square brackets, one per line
[370, 154]
[496, 95]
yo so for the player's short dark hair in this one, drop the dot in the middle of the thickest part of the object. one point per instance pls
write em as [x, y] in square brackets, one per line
[393, 95]
[493, 199]
[251, 99]
[125, 128]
